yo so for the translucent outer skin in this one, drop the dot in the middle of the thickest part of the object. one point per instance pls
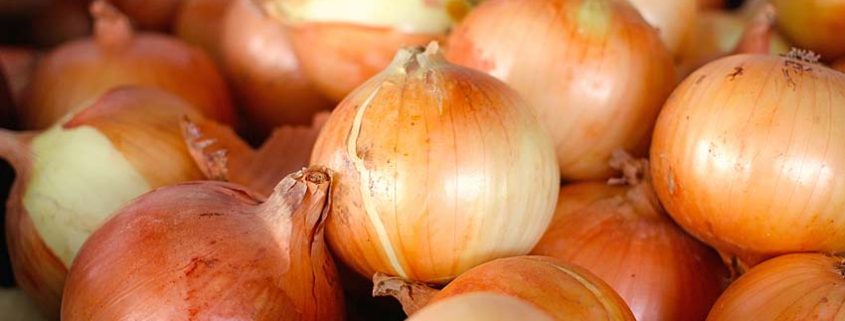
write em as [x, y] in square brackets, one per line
[481, 307]
[747, 156]
[794, 287]
[815, 25]
[438, 168]
[565, 292]
[594, 71]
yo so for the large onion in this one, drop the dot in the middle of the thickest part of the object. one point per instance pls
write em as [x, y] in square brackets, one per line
[622, 234]
[481, 306]
[76, 73]
[816, 25]
[674, 19]
[806, 287]
[747, 156]
[594, 70]
[211, 251]
[71, 177]
[439, 168]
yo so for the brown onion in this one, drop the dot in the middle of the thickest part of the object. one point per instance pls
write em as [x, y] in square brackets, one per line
[150, 14]
[264, 71]
[806, 287]
[622, 234]
[746, 156]
[564, 291]
[439, 168]
[594, 70]
[211, 251]
[72, 75]
[71, 177]
[816, 25]
[200, 23]
[481, 306]
[673, 19]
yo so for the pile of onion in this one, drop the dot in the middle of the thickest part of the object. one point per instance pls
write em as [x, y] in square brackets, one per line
[816, 25]
[673, 19]
[594, 71]
[211, 251]
[563, 291]
[71, 177]
[807, 286]
[747, 156]
[439, 168]
[620, 233]
[71, 76]
[342, 43]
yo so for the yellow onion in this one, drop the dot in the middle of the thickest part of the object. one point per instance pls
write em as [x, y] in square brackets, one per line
[211, 251]
[70, 76]
[17, 307]
[72, 176]
[746, 156]
[806, 287]
[481, 306]
[595, 72]
[343, 43]
[673, 19]
[200, 23]
[150, 14]
[265, 72]
[439, 168]
[564, 291]
[816, 25]
[622, 235]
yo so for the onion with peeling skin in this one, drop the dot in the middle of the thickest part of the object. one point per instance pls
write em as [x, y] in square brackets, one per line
[816, 25]
[69, 77]
[594, 70]
[59, 197]
[794, 287]
[439, 168]
[211, 251]
[200, 23]
[481, 307]
[673, 19]
[622, 234]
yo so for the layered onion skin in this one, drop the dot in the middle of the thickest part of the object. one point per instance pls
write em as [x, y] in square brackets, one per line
[595, 72]
[747, 156]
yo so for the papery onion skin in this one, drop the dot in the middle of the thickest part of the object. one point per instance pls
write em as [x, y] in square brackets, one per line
[595, 72]
[793, 287]
[745, 157]
[211, 251]
[265, 72]
[439, 168]
[815, 25]
[150, 14]
[77, 72]
[200, 23]
[481, 307]
[673, 19]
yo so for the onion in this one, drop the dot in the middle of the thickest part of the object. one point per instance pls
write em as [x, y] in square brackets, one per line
[816, 25]
[59, 197]
[673, 19]
[343, 43]
[804, 286]
[72, 75]
[745, 156]
[17, 307]
[150, 14]
[594, 70]
[17, 65]
[622, 234]
[481, 307]
[265, 72]
[211, 251]
[200, 23]
[433, 160]
[565, 292]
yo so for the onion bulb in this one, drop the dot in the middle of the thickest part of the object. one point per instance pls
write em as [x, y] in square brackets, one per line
[200, 23]
[595, 72]
[343, 43]
[71, 76]
[565, 292]
[816, 25]
[150, 14]
[439, 168]
[211, 251]
[265, 72]
[673, 19]
[621, 234]
[59, 197]
[807, 286]
[746, 156]
[481, 306]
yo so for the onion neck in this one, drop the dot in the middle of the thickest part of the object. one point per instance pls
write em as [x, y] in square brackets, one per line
[641, 194]
[301, 201]
[112, 29]
[412, 295]
[757, 37]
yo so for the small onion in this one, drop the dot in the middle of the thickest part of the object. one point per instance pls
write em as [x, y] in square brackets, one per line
[481, 306]
[746, 156]
[816, 25]
[673, 19]
[69, 77]
[622, 235]
[200, 23]
[71, 177]
[264, 71]
[439, 168]
[343, 43]
[150, 14]
[805, 287]
[594, 70]
[211, 251]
